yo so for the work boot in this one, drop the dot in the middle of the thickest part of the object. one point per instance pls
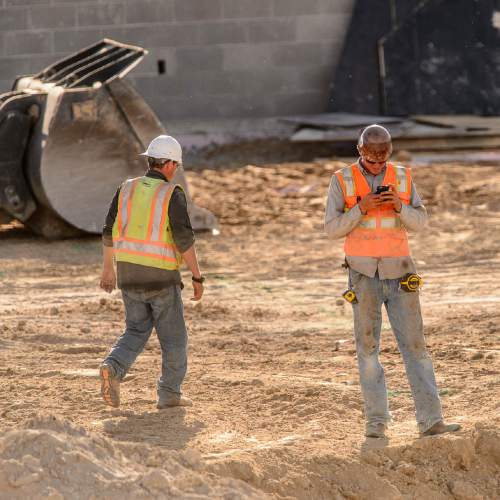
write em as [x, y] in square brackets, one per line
[173, 400]
[375, 430]
[110, 385]
[440, 428]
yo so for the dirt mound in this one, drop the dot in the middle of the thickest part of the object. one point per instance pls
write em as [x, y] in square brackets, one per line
[52, 459]
[272, 362]
[459, 467]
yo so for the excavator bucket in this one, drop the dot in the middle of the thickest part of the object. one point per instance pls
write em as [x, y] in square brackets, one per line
[70, 135]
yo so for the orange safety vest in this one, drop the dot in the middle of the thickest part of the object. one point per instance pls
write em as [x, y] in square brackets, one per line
[141, 232]
[380, 232]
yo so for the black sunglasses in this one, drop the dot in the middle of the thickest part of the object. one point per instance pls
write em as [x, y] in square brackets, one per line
[373, 162]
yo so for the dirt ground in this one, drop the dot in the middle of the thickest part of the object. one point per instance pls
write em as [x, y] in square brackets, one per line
[272, 367]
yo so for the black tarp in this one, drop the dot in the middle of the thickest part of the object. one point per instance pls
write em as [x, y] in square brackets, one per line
[356, 85]
[439, 57]
[444, 59]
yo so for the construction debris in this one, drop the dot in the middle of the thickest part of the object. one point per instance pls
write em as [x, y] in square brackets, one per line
[418, 133]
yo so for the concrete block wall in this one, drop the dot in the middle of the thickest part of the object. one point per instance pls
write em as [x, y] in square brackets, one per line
[221, 58]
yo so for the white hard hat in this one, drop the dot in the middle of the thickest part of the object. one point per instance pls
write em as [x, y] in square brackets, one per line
[164, 146]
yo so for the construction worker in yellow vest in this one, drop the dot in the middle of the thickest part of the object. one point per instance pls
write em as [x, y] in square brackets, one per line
[372, 203]
[148, 233]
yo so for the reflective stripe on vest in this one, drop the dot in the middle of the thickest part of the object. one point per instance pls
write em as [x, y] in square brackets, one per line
[350, 190]
[142, 233]
[402, 180]
[380, 232]
[126, 194]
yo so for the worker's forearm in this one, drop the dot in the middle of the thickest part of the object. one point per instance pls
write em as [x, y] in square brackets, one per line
[414, 219]
[191, 261]
[338, 226]
[107, 257]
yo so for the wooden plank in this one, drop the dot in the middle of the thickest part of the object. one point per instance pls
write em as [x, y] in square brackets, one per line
[333, 120]
[407, 141]
[467, 122]
[447, 143]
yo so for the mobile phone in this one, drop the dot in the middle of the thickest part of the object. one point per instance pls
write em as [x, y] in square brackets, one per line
[382, 189]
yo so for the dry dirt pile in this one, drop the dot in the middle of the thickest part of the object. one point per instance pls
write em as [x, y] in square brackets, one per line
[52, 459]
[463, 468]
[272, 364]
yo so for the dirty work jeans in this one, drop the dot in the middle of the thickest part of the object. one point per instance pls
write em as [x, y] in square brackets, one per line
[143, 311]
[403, 309]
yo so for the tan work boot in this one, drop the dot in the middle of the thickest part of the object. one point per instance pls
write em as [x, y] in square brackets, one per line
[440, 428]
[173, 400]
[375, 430]
[110, 386]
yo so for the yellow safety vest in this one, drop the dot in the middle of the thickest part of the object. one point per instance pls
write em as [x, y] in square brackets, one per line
[141, 232]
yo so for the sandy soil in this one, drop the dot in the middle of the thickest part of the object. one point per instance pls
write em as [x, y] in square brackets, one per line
[272, 368]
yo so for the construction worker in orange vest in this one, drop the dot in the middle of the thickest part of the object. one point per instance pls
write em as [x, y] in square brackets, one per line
[372, 203]
[148, 233]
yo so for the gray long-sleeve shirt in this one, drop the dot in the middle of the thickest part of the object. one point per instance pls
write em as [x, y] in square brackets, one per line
[339, 223]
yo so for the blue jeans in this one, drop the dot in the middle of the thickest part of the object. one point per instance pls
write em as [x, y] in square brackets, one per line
[144, 310]
[403, 309]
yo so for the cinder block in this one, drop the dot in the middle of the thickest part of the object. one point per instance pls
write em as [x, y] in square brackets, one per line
[322, 27]
[16, 3]
[159, 85]
[176, 35]
[227, 106]
[298, 54]
[258, 81]
[337, 6]
[295, 7]
[76, 39]
[207, 83]
[43, 61]
[300, 7]
[149, 65]
[302, 102]
[201, 58]
[241, 57]
[196, 10]
[246, 8]
[134, 35]
[149, 11]
[159, 35]
[60, 16]
[272, 30]
[28, 43]
[10, 67]
[223, 32]
[100, 14]
[13, 19]
[314, 78]
[5, 86]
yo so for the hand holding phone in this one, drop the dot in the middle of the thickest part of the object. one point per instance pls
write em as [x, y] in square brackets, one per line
[390, 196]
[382, 189]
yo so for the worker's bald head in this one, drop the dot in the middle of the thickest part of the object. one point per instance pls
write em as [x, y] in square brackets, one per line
[374, 134]
[375, 144]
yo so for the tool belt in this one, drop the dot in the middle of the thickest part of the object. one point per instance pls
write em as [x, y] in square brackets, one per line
[350, 296]
[410, 282]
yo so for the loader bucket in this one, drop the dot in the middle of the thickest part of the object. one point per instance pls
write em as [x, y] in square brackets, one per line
[70, 135]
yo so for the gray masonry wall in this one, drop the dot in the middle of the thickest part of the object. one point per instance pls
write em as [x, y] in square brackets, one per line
[222, 58]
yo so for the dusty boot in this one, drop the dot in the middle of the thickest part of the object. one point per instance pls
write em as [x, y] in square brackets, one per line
[110, 385]
[440, 428]
[173, 400]
[375, 430]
